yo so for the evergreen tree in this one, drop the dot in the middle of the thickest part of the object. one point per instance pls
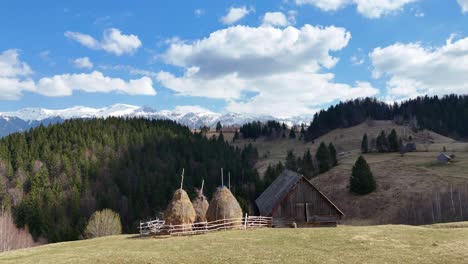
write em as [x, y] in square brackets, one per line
[382, 142]
[333, 157]
[291, 161]
[292, 133]
[323, 158]
[307, 164]
[302, 132]
[393, 144]
[218, 126]
[236, 136]
[365, 144]
[362, 181]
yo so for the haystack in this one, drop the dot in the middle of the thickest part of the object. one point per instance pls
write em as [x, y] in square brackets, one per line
[223, 206]
[180, 210]
[200, 204]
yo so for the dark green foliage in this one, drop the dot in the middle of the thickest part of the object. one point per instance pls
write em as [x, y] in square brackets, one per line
[256, 129]
[292, 133]
[365, 144]
[68, 171]
[218, 126]
[393, 142]
[323, 158]
[333, 157]
[362, 181]
[447, 115]
[291, 162]
[302, 132]
[308, 168]
[382, 143]
[236, 136]
[272, 173]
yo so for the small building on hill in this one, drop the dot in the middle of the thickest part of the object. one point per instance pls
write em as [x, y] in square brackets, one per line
[444, 158]
[291, 198]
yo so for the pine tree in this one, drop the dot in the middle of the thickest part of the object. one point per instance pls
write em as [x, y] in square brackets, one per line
[365, 144]
[393, 145]
[307, 164]
[333, 158]
[382, 142]
[218, 126]
[323, 158]
[291, 161]
[236, 136]
[362, 181]
[292, 133]
[302, 132]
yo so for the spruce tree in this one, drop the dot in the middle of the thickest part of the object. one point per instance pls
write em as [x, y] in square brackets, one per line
[236, 136]
[291, 161]
[333, 158]
[218, 126]
[382, 142]
[362, 181]
[323, 158]
[292, 133]
[393, 145]
[365, 144]
[307, 164]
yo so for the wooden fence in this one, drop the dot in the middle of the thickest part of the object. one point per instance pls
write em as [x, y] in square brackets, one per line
[158, 227]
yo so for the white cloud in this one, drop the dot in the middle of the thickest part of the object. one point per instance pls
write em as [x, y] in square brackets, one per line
[15, 79]
[415, 70]
[276, 19]
[65, 84]
[367, 8]
[463, 5]
[235, 14]
[113, 41]
[14, 75]
[83, 63]
[264, 70]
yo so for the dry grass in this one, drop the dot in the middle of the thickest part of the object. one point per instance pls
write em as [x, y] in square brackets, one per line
[374, 244]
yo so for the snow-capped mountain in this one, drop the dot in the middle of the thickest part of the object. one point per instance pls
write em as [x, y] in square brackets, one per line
[191, 116]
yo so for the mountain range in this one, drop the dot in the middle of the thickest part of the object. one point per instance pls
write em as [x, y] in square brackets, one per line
[191, 116]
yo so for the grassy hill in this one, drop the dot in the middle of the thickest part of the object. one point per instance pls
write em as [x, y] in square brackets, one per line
[412, 189]
[375, 244]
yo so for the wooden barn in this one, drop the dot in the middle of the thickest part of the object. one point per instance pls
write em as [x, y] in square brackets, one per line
[293, 200]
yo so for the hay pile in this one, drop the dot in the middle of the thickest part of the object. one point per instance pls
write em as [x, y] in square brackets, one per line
[223, 206]
[180, 210]
[200, 204]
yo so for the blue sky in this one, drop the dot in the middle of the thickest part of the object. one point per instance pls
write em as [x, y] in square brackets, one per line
[282, 58]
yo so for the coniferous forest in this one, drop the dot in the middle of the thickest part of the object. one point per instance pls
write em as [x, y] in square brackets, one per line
[447, 115]
[53, 178]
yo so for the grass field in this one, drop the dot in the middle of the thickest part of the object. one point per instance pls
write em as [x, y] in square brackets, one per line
[373, 244]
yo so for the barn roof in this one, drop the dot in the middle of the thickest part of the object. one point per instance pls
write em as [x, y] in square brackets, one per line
[275, 193]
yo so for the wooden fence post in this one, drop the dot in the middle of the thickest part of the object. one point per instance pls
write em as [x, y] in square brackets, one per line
[245, 221]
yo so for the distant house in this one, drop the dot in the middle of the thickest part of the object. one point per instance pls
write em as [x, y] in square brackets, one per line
[444, 158]
[229, 129]
[291, 198]
[410, 147]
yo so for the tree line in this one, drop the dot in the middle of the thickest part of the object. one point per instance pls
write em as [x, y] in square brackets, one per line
[53, 178]
[447, 115]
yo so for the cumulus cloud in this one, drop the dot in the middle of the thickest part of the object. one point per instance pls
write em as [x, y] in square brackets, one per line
[14, 75]
[235, 14]
[367, 8]
[113, 41]
[15, 79]
[463, 5]
[264, 70]
[83, 63]
[275, 19]
[415, 70]
[65, 84]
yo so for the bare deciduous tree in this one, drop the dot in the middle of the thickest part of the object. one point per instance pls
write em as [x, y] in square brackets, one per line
[12, 237]
[103, 223]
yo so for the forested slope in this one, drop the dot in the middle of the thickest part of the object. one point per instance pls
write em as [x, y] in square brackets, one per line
[54, 178]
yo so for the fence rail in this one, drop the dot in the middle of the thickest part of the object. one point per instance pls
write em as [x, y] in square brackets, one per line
[158, 227]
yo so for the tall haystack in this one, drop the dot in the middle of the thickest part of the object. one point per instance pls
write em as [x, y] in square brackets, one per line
[180, 210]
[223, 205]
[200, 204]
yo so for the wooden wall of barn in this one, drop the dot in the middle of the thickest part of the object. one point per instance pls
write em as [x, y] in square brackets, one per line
[305, 206]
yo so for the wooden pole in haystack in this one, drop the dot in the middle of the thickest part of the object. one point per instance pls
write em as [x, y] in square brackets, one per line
[202, 183]
[222, 178]
[182, 181]
[229, 180]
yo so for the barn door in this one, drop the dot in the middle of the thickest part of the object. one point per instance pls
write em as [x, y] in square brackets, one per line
[300, 213]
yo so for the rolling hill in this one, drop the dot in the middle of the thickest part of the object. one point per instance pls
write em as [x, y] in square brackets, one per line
[412, 189]
[345, 244]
